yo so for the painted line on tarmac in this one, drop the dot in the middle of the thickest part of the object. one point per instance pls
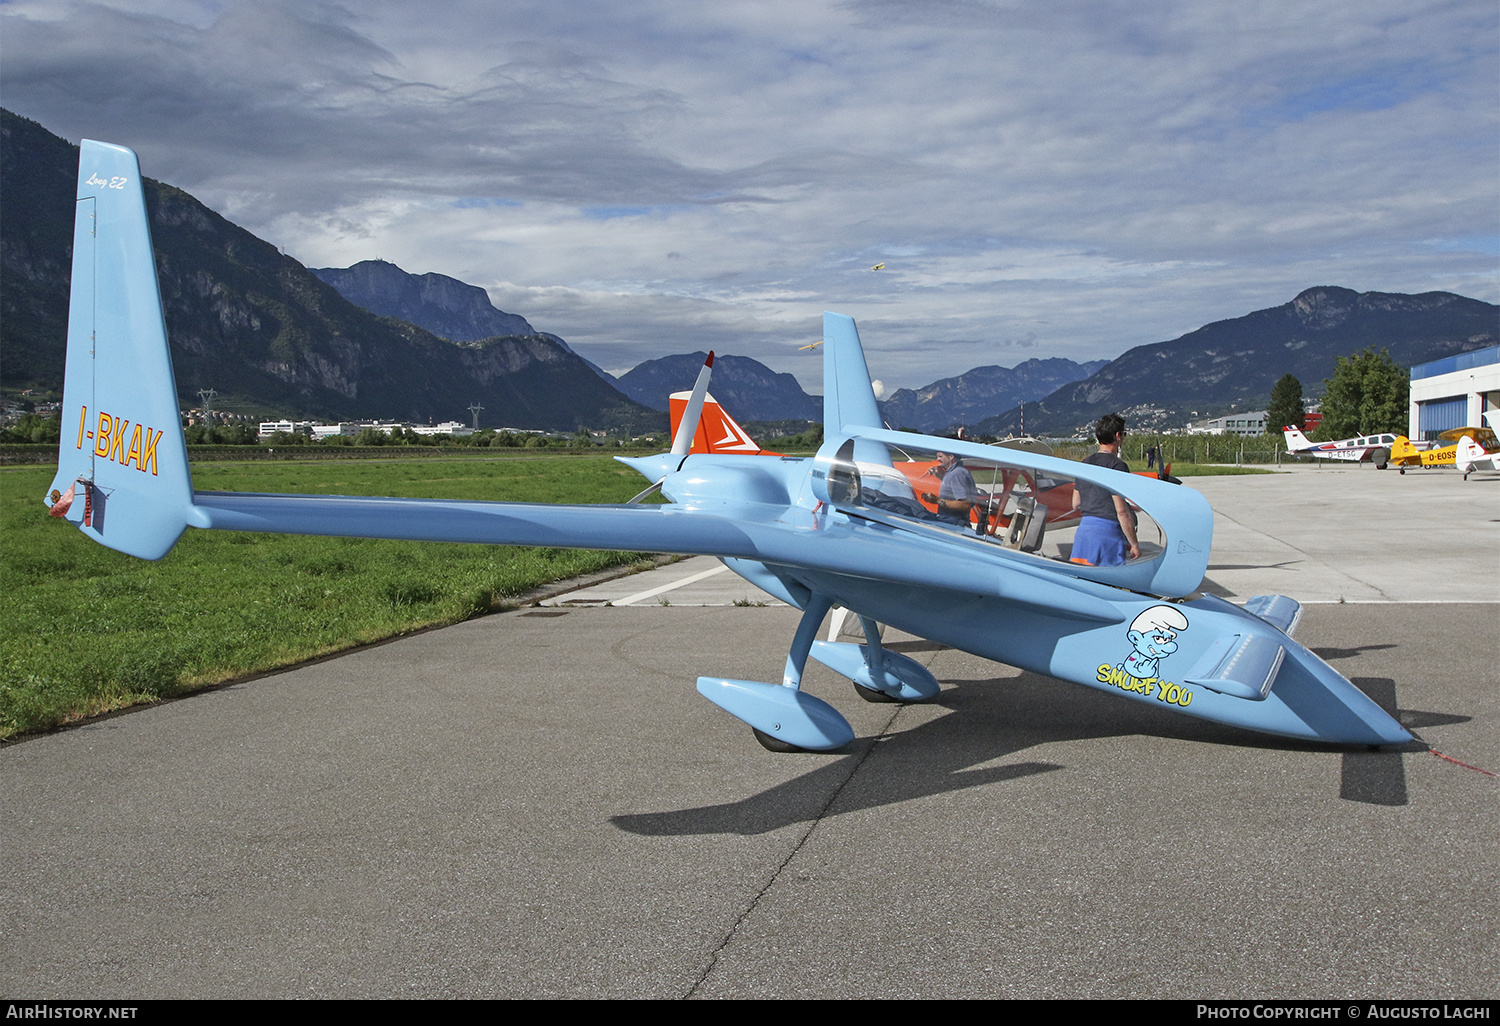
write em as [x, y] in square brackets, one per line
[1401, 602]
[639, 596]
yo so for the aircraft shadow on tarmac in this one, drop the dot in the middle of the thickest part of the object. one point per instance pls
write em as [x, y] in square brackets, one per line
[1328, 654]
[996, 719]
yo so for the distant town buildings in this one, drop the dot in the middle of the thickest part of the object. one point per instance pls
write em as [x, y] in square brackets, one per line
[285, 427]
[447, 427]
[352, 429]
[321, 431]
[1232, 424]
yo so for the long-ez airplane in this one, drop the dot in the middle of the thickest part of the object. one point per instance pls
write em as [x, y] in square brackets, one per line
[844, 527]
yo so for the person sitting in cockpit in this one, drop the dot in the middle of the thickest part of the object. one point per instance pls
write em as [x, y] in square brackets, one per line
[957, 494]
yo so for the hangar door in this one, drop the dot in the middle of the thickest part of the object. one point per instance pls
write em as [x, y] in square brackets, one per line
[1433, 418]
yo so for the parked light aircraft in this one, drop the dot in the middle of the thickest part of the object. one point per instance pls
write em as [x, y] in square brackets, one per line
[1480, 451]
[841, 527]
[1374, 448]
[1404, 454]
[1471, 456]
[717, 431]
[1009, 498]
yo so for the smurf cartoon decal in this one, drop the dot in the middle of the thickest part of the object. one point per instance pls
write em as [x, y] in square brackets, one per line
[1153, 637]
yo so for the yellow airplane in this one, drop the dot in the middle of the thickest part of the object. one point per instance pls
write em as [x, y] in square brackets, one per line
[1404, 454]
[878, 267]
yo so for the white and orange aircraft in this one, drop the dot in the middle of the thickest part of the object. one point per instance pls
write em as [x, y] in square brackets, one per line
[1009, 497]
[1476, 454]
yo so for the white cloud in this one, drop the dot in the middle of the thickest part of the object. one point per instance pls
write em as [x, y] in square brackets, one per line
[1040, 179]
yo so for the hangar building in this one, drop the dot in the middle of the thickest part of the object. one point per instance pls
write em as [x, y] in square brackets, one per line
[1454, 392]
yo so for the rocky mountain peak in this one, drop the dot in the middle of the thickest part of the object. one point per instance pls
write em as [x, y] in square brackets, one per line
[445, 306]
[1324, 306]
[746, 387]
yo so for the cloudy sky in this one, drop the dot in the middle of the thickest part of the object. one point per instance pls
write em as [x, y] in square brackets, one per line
[1039, 178]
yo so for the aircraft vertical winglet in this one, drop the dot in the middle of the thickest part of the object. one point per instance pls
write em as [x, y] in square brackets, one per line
[848, 398]
[122, 445]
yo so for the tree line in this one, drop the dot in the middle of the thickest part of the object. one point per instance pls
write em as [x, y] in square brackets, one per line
[1368, 394]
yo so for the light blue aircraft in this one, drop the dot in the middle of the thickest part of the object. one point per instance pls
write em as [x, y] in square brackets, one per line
[845, 527]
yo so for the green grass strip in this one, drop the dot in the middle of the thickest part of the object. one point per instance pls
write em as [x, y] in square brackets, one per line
[87, 630]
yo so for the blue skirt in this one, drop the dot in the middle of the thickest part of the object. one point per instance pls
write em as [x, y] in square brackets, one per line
[1099, 542]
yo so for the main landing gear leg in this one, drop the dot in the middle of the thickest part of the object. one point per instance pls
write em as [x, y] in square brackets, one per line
[879, 675]
[783, 718]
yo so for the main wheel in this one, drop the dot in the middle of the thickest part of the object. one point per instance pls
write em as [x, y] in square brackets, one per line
[873, 696]
[774, 744]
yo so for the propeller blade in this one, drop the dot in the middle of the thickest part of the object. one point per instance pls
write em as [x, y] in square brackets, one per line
[688, 426]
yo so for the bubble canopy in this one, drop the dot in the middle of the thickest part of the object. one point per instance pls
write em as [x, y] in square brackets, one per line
[1025, 504]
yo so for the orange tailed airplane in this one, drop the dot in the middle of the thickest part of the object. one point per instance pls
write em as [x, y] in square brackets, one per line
[1009, 498]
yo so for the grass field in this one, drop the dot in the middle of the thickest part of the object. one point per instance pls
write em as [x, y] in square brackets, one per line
[87, 629]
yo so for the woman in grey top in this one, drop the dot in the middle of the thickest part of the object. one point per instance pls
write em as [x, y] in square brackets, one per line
[1106, 534]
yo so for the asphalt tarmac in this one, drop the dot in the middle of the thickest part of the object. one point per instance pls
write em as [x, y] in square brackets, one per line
[538, 804]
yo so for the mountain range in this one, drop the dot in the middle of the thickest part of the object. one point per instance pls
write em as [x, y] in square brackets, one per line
[447, 307]
[1232, 364]
[262, 331]
[980, 393]
[747, 388]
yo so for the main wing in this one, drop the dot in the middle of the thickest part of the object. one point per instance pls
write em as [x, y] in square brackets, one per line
[769, 533]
